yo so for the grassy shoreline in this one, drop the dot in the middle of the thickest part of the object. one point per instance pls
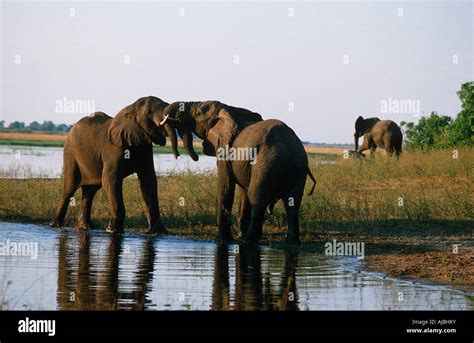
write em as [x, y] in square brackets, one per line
[60, 144]
[49, 140]
[402, 210]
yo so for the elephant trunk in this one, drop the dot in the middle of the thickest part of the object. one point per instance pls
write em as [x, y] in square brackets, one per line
[187, 139]
[174, 140]
[356, 141]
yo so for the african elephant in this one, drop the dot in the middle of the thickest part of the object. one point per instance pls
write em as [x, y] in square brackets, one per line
[101, 151]
[384, 134]
[264, 158]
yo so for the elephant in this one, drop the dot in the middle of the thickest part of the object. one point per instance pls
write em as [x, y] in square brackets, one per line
[384, 134]
[100, 151]
[266, 159]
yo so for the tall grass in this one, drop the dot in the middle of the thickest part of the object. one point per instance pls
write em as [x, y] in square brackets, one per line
[420, 188]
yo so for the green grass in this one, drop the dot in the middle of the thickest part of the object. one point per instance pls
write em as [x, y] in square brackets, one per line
[424, 195]
[44, 143]
[20, 142]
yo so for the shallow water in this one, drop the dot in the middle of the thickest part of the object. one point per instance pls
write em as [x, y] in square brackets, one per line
[44, 162]
[76, 270]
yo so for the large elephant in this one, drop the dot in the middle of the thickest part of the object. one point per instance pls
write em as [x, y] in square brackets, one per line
[101, 151]
[384, 134]
[269, 163]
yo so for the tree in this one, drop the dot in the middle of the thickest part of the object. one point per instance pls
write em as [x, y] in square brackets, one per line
[34, 126]
[463, 126]
[430, 132]
[16, 125]
[62, 128]
[48, 126]
[439, 131]
[2, 124]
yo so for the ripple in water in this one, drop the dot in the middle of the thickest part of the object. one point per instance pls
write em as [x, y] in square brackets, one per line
[76, 270]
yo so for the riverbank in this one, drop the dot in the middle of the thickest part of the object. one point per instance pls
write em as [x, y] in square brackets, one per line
[55, 140]
[452, 264]
[405, 210]
[38, 139]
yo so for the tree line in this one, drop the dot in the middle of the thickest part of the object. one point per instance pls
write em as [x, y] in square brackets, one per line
[438, 131]
[47, 125]
[435, 131]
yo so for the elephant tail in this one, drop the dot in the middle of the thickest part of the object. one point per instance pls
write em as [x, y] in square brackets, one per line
[313, 179]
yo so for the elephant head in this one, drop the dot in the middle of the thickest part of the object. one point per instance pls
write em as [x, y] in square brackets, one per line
[359, 131]
[142, 123]
[363, 126]
[215, 123]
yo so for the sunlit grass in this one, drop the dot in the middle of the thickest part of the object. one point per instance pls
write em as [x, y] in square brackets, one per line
[421, 191]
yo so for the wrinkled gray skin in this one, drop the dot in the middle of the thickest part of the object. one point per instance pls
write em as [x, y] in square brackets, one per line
[101, 151]
[383, 134]
[279, 171]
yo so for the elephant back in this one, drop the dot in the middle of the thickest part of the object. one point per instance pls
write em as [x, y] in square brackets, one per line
[96, 118]
[92, 128]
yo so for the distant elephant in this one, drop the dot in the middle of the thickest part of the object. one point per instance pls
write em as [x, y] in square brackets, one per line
[101, 151]
[277, 168]
[384, 134]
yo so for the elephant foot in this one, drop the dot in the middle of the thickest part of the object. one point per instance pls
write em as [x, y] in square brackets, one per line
[224, 238]
[56, 223]
[115, 226]
[158, 229]
[85, 226]
[113, 231]
[293, 240]
[250, 240]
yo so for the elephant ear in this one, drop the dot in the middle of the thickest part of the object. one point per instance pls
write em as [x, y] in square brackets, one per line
[125, 130]
[244, 115]
[224, 130]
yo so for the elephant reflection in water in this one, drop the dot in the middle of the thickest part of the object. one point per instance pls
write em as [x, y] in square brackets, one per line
[83, 285]
[252, 288]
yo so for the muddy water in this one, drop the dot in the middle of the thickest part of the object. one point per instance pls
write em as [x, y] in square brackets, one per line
[74, 270]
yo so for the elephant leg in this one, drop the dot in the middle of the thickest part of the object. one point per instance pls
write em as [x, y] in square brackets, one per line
[113, 186]
[254, 233]
[88, 193]
[244, 212]
[364, 146]
[71, 184]
[389, 146]
[292, 208]
[259, 194]
[373, 149]
[398, 152]
[225, 200]
[149, 190]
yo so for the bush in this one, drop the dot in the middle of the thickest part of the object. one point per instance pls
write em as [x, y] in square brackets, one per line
[440, 131]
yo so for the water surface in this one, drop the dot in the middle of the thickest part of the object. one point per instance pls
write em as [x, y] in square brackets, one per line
[47, 162]
[76, 270]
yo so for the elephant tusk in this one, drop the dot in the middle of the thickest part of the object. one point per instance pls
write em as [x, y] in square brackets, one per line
[163, 122]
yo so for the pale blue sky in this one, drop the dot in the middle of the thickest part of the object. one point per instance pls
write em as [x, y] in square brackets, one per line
[282, 59]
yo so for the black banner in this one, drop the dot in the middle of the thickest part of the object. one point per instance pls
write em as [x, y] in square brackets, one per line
[420, 325]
